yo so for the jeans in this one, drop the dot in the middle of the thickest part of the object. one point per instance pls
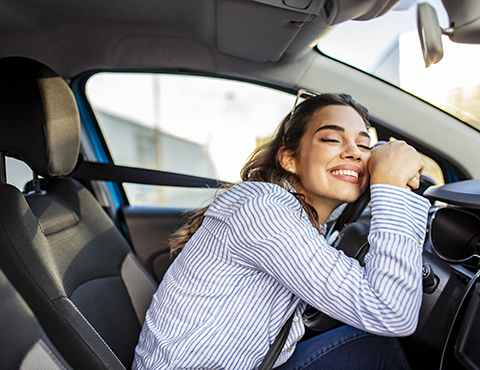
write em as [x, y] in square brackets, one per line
[347, 348]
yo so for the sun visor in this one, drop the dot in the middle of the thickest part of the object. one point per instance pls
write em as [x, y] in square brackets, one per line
[258, 32]
[267, 30]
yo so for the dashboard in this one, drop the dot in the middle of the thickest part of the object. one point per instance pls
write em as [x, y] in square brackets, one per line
[450, 314]
[448, 331]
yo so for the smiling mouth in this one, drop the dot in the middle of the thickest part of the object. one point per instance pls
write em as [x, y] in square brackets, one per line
[345, 173]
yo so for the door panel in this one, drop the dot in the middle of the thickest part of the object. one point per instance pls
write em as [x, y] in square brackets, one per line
[149, 229]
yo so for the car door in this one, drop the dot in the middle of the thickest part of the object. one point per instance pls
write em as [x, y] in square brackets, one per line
[196, 127]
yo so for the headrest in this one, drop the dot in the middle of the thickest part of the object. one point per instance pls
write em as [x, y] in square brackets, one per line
[39, 120]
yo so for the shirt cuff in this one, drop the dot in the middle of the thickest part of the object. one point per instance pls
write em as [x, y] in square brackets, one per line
[398, 211]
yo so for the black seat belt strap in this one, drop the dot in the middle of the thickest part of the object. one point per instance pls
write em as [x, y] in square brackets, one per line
[110, 172]
[274, 351]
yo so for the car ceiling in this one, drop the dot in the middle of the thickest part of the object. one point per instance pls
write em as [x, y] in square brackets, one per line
[240, 38]
[258, 40]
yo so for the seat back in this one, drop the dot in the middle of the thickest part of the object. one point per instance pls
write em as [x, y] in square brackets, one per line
[24, 343]
[59, 248]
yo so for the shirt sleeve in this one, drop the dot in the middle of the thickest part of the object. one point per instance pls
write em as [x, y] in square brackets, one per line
[273, 234]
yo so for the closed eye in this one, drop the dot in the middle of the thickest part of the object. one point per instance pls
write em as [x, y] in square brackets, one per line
[329, 140]
[324, 140]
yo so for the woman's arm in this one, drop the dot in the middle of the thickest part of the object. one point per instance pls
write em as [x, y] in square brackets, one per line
[273, 234]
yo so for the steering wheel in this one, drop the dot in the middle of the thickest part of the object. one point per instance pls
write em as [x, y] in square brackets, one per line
[352, 240]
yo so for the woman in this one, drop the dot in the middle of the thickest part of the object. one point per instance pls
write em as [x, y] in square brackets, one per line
[258, 253]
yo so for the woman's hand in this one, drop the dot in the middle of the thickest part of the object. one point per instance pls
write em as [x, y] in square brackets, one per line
[395, 163]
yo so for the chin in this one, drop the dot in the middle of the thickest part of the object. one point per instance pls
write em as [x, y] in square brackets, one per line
[350, 198]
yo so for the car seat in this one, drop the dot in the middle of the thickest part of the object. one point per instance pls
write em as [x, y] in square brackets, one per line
[24, 343]
[58, 247]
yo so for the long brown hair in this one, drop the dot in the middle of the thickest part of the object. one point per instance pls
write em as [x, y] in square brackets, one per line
[263, 164]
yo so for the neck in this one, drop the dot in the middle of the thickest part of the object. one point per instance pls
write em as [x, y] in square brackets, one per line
[322, 209]
[323, 215]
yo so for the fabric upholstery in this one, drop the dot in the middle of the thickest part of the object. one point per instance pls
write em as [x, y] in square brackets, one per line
[24, 344]
[46, 274]
[81, 263]
[40, 357]
[40, 120]
[58, 247]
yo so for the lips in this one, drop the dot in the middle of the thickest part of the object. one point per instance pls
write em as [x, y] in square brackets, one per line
[350, 173]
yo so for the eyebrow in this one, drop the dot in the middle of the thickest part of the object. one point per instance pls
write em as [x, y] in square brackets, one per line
[341, 129]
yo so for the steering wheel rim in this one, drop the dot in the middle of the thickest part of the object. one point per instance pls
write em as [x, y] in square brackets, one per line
[348, 231]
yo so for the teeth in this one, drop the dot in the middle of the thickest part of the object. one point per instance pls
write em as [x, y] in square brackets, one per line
[345, 173]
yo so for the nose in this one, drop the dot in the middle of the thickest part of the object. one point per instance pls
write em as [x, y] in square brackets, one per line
[352, 152]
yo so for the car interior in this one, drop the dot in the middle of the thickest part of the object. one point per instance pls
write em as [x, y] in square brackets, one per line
[80, 260]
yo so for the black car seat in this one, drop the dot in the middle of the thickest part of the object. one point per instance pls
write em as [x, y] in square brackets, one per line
[58, 247]
[24, 344]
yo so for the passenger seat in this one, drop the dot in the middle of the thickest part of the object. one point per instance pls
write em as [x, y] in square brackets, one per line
[58, 247]
[24, 344]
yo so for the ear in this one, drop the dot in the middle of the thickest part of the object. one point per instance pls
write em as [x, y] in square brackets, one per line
[286, 159]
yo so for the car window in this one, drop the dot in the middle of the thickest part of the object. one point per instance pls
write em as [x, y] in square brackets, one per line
[192, 125]
[185, 124]
[18, 173]
[389, 48]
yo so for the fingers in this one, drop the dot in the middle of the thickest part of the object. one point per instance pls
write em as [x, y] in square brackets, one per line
[414, 183]
[396, 163]
[377, 146]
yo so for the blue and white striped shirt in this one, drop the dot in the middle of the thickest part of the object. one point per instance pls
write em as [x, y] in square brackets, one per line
[256, 259]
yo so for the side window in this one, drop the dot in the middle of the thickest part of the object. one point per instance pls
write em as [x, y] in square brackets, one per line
[431, 169]
[18, 173]
[185, 124]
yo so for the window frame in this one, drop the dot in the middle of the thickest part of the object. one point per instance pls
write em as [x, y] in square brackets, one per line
[92, 133]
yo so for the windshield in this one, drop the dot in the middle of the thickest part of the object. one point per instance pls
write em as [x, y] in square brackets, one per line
[389, 47]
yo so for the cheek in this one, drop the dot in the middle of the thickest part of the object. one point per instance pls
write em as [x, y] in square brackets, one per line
[366, 159]
[367, 172]
[365, 183]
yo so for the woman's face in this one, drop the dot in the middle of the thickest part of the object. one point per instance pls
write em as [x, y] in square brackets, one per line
[332, 159]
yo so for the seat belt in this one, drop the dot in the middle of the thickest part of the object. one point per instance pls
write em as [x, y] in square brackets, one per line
[86, 170]
[276, 348]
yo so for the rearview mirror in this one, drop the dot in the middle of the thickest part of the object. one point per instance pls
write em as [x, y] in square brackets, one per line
[430, 34]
